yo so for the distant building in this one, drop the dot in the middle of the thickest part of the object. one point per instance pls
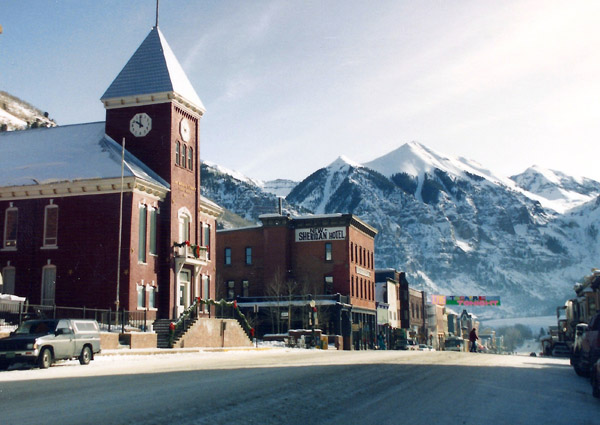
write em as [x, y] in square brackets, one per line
[291, 260]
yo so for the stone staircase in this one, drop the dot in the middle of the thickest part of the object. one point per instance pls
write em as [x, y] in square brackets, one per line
[161, 327]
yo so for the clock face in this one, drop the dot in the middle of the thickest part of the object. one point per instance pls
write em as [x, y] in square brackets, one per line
[184, 129]
[140, 124]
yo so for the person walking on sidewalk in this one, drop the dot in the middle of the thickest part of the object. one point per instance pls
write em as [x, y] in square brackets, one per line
[473, 338]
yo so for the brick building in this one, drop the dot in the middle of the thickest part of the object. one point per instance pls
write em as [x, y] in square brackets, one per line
[410, 302]
[61, 197]
[326, 258]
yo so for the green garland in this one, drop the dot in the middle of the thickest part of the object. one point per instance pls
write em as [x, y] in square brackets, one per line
[222, 303]
[195, 248]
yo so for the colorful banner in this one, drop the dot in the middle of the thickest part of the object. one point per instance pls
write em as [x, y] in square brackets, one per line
[466, 301]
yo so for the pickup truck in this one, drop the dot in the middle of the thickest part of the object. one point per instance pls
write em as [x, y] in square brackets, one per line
[42, 342]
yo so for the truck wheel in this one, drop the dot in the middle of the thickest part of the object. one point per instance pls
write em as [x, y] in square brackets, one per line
[86, 355]
[45, 359]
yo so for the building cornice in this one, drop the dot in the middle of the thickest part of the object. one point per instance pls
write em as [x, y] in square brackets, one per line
[151, 99]
[83, 187]
[209, 208]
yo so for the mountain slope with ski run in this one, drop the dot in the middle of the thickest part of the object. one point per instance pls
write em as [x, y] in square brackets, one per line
[457, 228]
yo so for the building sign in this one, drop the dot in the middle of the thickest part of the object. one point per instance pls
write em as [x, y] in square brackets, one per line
[465, 300]
[363, 272]
[321, 234]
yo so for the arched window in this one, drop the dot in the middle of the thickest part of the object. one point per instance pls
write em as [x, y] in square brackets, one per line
[177, 152]
[190, 158]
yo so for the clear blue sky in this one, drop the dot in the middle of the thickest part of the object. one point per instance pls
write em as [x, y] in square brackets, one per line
[291, 85]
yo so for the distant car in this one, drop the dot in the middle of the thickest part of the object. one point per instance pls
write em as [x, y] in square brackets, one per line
[42, 342]
[561, 349]
[596, 379]
[454, 343]
[406, 344]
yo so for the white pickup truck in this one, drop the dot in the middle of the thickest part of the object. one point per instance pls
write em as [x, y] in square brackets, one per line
[44, 341]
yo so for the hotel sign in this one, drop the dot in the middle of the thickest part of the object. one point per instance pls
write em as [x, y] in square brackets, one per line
[313, 234]
[465, 300]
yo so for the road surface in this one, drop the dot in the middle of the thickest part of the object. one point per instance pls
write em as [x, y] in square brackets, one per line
[292, 386]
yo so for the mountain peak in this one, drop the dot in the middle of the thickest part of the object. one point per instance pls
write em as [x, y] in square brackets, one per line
[342, 162]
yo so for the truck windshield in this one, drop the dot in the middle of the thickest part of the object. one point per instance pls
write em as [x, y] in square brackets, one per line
[37, 327]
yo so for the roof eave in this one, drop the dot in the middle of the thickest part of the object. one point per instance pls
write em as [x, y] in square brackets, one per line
[151, 99]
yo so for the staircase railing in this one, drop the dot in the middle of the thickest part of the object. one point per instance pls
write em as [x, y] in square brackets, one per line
[178, 328]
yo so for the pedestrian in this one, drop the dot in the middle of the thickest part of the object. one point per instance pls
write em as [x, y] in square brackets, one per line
[473, 338]
[381, 341]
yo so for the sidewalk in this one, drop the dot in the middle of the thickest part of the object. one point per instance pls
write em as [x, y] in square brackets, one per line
[159, 351]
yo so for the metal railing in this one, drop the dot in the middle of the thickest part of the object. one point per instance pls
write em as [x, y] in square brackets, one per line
[107, 319]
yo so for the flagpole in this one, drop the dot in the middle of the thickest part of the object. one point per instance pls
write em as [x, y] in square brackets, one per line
[117, 301]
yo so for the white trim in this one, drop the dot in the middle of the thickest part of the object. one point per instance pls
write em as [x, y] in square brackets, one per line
[85, 187]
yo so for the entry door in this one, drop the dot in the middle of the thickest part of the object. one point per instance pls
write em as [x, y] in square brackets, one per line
[184, 290]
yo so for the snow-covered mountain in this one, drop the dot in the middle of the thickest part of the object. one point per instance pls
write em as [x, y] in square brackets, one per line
[556, 190]
[16, 114]
[457, 228]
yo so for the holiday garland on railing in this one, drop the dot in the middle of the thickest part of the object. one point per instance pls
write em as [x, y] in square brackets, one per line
[195, 248]
[178, 326]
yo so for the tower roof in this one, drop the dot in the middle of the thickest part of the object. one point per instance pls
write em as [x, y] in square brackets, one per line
[152, 75]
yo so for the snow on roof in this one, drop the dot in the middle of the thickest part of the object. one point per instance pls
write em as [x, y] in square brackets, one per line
[66, 153]
[153, 68]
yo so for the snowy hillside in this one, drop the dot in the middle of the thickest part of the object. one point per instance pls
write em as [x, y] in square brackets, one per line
[16, 114]
[457, 228]
[556, 190]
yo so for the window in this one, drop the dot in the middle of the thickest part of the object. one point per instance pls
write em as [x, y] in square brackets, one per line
[205, 291]
[183, 155]
[141, 296]
[328, 253]
[328, 285]
[11, 220]
[152, 296]
[248, 255]
[177, 152]
[51, 225]
[191, 158]
[227, 256]
[352, 251]
[152, 247]
[8, 279]
[230, 290]
[206, 231]
[184, 227]
[245, 288]
[142, 235]
[48, 285]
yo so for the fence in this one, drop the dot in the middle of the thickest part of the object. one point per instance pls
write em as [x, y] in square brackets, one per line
[107, 319]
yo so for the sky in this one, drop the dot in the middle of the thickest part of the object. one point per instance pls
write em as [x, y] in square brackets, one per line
[289, 86]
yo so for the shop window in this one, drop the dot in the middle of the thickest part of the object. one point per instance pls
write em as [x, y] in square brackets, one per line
[50, 225]
[11, 220]
[227, 256]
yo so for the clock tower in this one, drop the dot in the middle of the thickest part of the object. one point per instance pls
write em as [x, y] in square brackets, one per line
[152, 106]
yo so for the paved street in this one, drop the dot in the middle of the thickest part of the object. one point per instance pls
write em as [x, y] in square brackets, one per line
[301, 386]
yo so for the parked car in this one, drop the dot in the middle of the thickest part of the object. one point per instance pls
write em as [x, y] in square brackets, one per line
[596, 379]
[42, 342]
[406, 344]
[586, 351]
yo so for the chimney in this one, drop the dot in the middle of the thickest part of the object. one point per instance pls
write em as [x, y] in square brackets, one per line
[280, 205]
